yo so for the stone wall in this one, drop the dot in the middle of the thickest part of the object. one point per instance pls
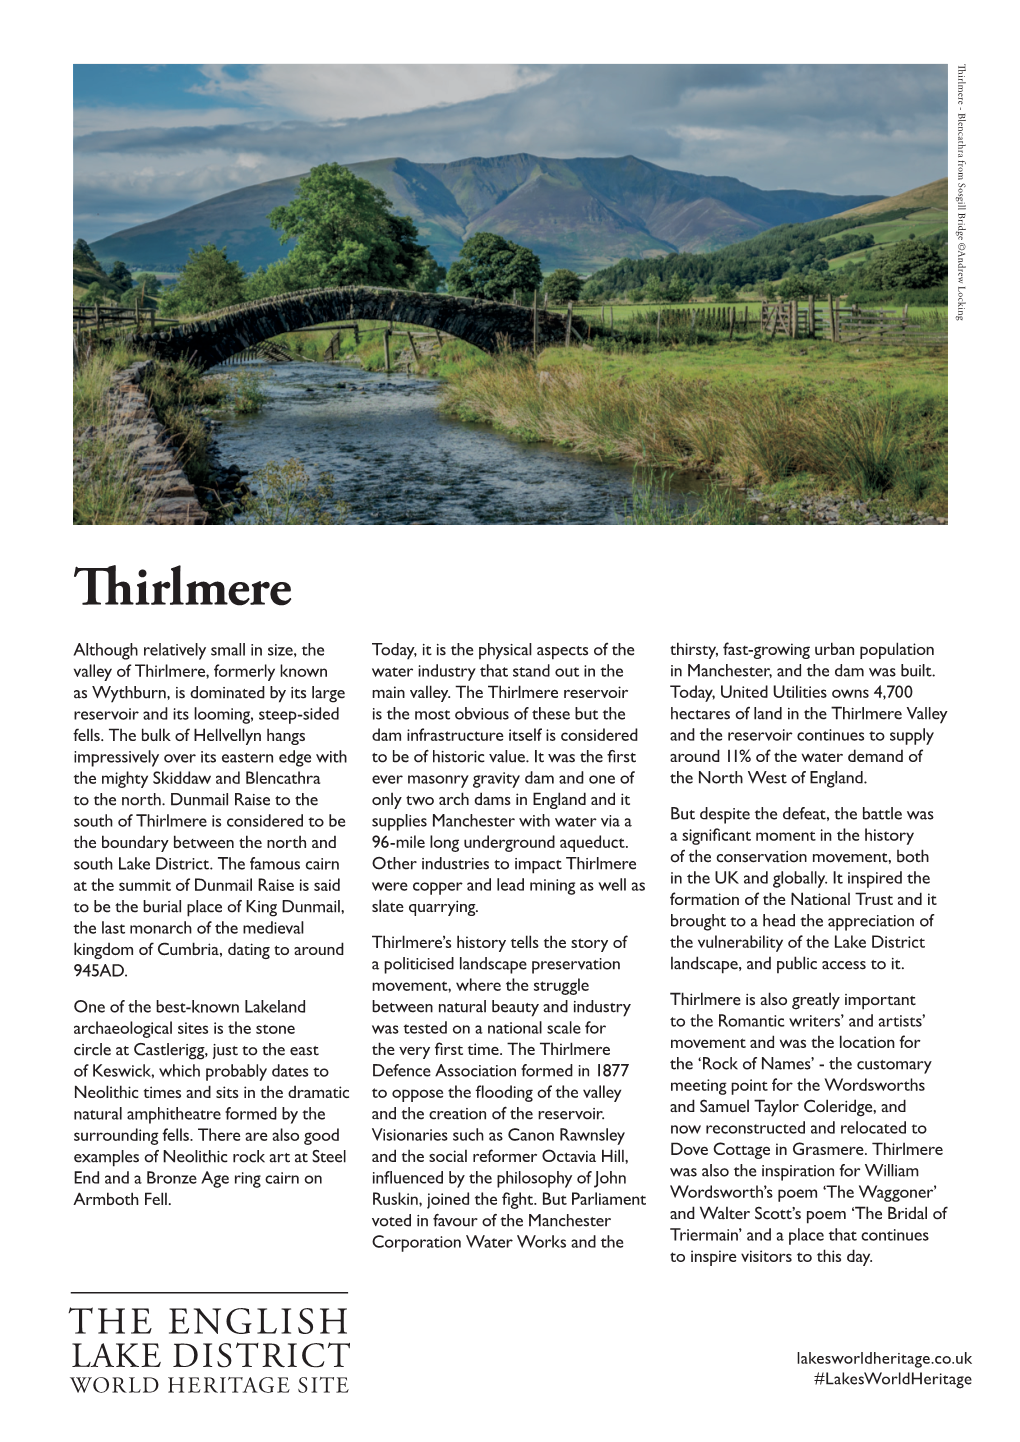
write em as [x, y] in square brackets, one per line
[162, 484]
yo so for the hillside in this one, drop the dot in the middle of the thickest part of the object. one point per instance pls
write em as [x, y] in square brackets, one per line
[584, 213]
[933, 196]
[847, 238]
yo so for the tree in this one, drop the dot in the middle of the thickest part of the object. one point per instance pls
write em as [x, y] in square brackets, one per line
[680, 290]
[411, 256]
[563, 285]
[83, 256]
[153, 285]
[797, 285]
[208, 281]
[429, 275]
[724, 292]
[908, 265]
[95, 294]
[275, 279]
[654, 288]
[120, 276]
[345, 232]
[493, 268]
[145, 291]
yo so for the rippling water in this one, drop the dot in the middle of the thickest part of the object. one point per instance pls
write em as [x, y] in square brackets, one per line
[397, 461]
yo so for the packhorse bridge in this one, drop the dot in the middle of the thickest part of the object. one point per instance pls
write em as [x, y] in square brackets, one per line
[487, 324]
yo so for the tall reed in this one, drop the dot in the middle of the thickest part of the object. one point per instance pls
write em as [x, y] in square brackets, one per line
[751, 430]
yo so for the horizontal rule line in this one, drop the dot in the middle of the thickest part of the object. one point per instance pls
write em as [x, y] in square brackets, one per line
[259, 1293]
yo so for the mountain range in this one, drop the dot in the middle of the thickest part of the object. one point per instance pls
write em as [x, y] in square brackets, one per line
[582, 214]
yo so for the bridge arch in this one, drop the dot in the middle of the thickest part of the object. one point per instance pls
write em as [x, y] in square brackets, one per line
[484, 323]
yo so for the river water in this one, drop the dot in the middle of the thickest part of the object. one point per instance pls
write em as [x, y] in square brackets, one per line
[397, 461]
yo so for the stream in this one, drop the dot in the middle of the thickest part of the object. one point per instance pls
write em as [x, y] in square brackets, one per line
[397, 461]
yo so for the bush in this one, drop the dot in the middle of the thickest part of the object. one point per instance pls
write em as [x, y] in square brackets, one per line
[285, 495]
[246, 392]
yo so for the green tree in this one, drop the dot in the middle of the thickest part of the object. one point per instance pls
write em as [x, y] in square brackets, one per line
[153, 285]
[120, 276]
[428, 275]
[908, 265]
[493, 268]
[679, 289]
[83, 256]
[275, 279]
[563, 285]
[95, 294]
[724, 292]
[207, 281]
[792, 286]
[654, 288]
[797, 285]
[346, 233]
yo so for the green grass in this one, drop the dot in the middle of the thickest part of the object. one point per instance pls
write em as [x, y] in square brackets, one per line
[888, 232]
[105, 488]
[651, 505]
[104, 485]
[864, 424]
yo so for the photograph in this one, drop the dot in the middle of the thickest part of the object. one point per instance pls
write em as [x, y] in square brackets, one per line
[500, 295]
[485, 963]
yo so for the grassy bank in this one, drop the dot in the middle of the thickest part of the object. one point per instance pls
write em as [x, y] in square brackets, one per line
[104, 486]
[105, 482]
[796, 420]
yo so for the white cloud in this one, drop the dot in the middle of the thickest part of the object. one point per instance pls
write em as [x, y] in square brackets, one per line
[89, 119]
[334, 92]
[855, 129]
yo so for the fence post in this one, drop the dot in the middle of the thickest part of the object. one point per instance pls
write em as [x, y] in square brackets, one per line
[746, 322]
[833, 332]
[414, 348]
[733, 320]
[811, 315]
[386, 349]
[658, 322]
[570, 319]
[612, 329]
[534, 328]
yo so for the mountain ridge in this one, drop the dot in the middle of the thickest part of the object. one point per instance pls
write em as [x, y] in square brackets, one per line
[583, 213]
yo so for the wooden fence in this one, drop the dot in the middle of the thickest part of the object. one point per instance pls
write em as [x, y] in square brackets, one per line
[848, 324]
[106, 317]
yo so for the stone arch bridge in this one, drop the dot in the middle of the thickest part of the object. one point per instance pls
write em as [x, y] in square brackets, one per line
[484, 323]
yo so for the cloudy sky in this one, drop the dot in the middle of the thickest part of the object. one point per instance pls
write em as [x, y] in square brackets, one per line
[152, 139]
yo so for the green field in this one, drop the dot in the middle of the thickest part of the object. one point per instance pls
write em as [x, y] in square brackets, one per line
[920, 225]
